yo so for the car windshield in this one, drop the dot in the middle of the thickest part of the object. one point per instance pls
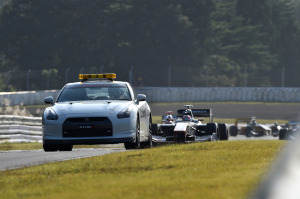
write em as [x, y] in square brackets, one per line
[83, 92]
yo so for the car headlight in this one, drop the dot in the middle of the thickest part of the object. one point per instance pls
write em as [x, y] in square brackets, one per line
[125, 113]
[51, 115]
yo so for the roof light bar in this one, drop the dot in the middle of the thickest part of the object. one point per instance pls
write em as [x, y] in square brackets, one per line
[98, 76]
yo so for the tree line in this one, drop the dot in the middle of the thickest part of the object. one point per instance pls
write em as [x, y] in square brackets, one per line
[224, 43]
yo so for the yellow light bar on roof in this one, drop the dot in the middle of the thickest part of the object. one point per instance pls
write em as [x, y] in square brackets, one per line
[98, 76]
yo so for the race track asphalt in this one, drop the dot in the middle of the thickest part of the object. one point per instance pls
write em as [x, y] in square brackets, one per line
[276, 111]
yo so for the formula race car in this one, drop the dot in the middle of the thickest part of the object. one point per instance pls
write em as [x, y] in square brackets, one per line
[250, 128]
[289, 131]
[186, 128]
[275, 129]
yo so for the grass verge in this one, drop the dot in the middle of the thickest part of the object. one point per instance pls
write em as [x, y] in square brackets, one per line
[6, 146]
[200, 170]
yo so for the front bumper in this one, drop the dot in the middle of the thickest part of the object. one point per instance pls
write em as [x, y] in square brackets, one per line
[89, 129]
[89, 141]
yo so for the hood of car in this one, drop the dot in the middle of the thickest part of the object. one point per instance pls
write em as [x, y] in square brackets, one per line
[91, 107]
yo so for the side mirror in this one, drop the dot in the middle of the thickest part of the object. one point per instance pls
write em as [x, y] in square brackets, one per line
[141, 97]
[49, 100]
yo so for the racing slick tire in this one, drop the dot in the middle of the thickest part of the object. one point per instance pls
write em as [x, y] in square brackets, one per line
[233, 131]
[154, 129]
[248, 131]
[50, 147]
[136, 144]
[212, 128]
[283, 134]
[223, 129]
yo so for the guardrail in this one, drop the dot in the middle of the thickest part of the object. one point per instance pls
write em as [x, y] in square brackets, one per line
[20, 129]
[178, 94]
[220, 94]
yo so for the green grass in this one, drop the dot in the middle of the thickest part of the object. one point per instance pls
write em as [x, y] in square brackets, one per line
[200, 170]
[6, 146]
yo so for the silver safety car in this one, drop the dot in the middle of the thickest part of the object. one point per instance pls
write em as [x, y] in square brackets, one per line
[97, 110]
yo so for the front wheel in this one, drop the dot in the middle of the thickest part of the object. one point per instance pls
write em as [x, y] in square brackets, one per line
[223, 129]
[50, 147]
[212, 129]
[136, 144]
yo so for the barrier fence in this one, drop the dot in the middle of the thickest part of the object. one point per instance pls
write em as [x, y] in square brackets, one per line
[20, 129]
[178, 94]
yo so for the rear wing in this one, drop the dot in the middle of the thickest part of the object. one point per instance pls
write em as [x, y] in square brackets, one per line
[197, 113]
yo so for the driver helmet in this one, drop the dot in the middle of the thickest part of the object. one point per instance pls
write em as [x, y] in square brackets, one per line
[186, 118]
[253, 121]
[169, 119]
[275, 123]
[188, 112]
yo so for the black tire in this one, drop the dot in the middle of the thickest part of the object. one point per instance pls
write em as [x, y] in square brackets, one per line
[233, 131]
[136, 144]
[283, 134]
[50, 147]
[148, 144]
[248, 131]
[154, 129]
[211, 128]
[273, 130]
[223, 129]
[67, 147]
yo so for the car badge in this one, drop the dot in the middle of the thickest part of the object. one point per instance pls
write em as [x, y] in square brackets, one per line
[87, 119]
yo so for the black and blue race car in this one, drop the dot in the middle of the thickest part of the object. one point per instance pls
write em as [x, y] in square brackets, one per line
[187, 126]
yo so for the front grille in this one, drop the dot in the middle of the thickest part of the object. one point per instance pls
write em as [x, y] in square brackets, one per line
[87, 127]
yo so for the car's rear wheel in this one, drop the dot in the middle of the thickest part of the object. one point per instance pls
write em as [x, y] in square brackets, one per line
[248, 131]
[50, 147]
[233, 130]
[283, 134]
[136, 144]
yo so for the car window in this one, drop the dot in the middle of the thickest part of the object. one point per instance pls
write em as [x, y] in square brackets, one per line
[94, 92]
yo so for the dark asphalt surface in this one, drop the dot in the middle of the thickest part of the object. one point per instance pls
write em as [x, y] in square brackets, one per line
[20, 158]
[282, 111]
